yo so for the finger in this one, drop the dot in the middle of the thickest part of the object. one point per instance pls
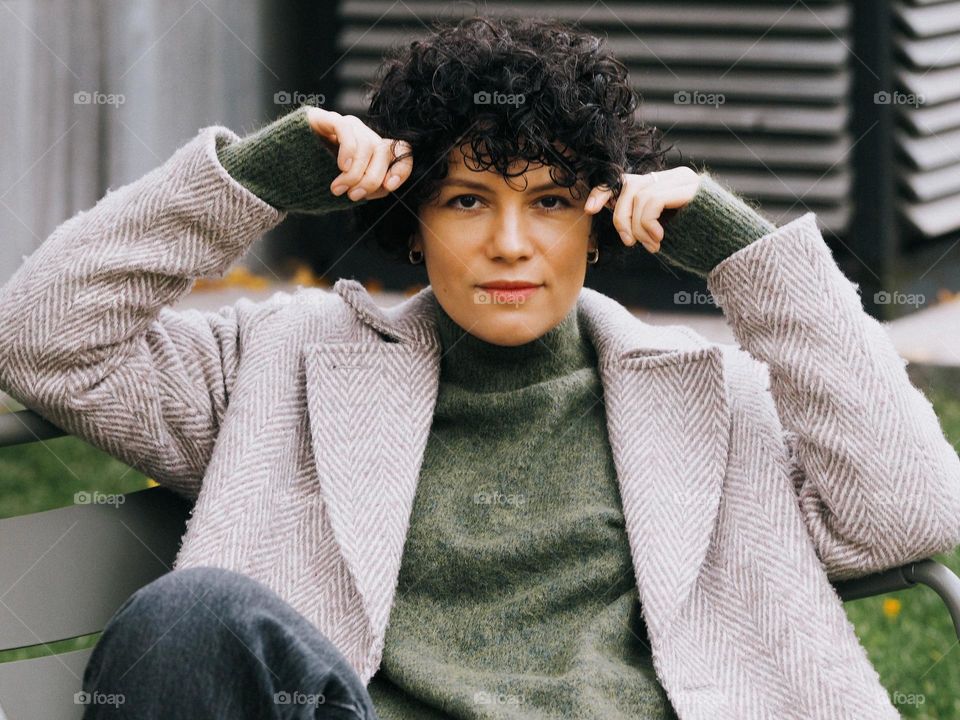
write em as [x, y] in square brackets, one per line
[598, 197]
[667, 199]
[347, 148]
[322, 123]
[347, 139]
[396, 171]
[651, 221]
[339, 138]
[622, 212]
[400, 170]
[640, 202]
[654, 230]
[374, 175]
[649, 216]
[356, 146]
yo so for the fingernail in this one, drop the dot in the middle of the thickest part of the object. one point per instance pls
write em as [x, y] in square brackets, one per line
[392, 182]
[338, 189]
[591, 204]
[357, 193]
[347, 163]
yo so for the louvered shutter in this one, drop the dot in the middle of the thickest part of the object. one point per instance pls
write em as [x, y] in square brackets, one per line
[927, 66]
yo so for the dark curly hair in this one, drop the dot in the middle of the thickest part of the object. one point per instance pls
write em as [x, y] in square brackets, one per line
[576, 96]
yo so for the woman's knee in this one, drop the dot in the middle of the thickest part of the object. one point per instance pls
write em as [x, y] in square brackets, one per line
[211, 586]
[243, 629]
[188, 603]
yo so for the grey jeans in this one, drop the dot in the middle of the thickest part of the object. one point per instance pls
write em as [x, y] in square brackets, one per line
[206, 642]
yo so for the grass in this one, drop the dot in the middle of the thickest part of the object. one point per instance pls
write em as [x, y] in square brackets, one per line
[908, 635]
[45, 475]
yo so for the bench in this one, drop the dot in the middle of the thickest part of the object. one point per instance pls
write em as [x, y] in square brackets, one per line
[64, 572]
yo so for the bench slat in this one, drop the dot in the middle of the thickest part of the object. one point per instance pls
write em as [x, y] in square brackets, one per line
[64, 572]
[43, 687]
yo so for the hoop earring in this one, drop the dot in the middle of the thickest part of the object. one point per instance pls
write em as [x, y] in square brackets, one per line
[419, 257]
[592, 259]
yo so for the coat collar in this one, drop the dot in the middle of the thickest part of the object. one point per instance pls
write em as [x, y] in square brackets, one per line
[668, 425]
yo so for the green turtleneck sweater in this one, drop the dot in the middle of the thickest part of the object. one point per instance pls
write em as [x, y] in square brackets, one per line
[517, 596]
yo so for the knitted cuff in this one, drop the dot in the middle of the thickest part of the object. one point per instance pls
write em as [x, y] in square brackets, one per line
[711, 227]
[287, 165]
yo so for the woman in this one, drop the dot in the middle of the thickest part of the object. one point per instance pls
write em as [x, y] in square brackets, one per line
[486, 502]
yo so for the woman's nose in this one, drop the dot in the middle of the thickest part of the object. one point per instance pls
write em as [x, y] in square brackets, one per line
[510, 238]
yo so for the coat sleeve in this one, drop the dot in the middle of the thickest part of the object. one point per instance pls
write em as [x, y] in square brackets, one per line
[878, 483]
[88, 341]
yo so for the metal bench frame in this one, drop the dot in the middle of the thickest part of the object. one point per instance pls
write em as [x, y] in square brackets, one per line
[43, 553]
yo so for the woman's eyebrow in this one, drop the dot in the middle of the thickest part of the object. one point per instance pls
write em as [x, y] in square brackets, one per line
[474, 185]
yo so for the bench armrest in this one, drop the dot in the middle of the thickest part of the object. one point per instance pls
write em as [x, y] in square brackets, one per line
[26, 426]
[927, 572]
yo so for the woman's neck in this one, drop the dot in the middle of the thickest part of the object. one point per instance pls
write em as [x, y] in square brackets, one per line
[468, 361]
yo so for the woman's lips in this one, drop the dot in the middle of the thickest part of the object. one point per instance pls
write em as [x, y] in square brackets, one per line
[511, 296]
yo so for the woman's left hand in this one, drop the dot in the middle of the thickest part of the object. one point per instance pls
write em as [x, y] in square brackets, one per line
[636, 212]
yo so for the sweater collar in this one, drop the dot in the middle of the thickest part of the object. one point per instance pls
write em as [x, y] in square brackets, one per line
[468, 361]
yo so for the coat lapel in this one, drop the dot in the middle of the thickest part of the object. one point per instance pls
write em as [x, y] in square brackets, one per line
[371, 406]
[668, 422]
[668, 425]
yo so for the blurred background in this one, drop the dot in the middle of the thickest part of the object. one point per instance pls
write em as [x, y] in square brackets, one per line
[849, 110]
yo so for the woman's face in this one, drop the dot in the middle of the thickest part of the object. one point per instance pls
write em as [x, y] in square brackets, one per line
[482, 229]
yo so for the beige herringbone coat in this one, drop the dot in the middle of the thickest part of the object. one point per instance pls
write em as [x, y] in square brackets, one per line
[299, 424]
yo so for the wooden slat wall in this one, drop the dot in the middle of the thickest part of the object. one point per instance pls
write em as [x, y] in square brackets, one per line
[180, 64]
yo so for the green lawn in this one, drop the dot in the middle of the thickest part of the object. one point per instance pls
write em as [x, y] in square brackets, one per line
[913, 647]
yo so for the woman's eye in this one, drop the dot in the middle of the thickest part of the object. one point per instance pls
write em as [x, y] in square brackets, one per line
[562, 202]
[462, 197]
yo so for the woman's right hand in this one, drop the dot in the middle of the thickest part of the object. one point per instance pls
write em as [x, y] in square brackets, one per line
[362, 155]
